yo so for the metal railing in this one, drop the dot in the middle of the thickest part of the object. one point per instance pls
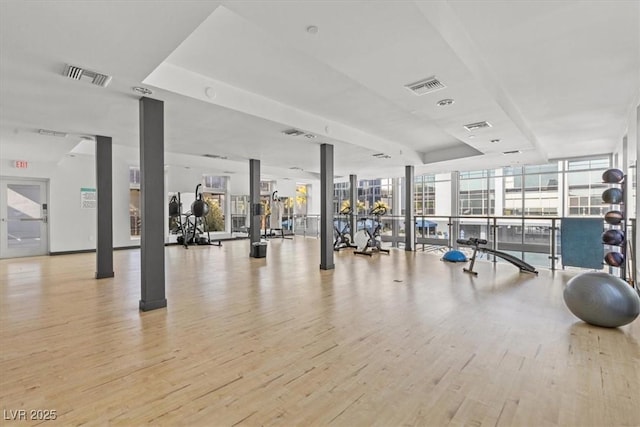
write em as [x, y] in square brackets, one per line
[536, 240]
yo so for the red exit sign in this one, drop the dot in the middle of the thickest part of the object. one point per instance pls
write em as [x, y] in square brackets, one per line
[21, 164]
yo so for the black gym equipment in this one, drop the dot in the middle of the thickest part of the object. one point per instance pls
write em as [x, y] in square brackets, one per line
[367, 241]
[175, 212]
[475, 243]
[194, 223]
[342, 230]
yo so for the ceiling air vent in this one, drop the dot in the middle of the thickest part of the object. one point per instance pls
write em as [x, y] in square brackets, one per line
[55, 133]
[293, 132]
[475, 126]
[78, 73]
[511, 152]
[214, 156]
[381, 156]
[425, 86]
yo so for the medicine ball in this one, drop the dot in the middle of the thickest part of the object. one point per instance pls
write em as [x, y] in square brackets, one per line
[613, 237]
[612, 176]
[612, 195]
[614, 259]
[613, 217]
[199, 208]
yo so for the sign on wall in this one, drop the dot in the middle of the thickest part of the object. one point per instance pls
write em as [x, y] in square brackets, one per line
[88, 198]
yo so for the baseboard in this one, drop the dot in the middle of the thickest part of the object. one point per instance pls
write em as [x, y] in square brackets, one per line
[121, 248]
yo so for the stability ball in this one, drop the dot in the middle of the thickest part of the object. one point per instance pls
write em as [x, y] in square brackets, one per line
[613, 217]
[602, 299]
[613, 237]
[614, 259]
[612, 195]
[454, 256]
[612, 176]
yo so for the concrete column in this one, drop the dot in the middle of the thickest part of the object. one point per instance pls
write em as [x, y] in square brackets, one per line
[353, 201]
[455, 207]
[326, 207]
[104, 184]
[396, 210]
[254, 201]
[409, 222]
[153, 199]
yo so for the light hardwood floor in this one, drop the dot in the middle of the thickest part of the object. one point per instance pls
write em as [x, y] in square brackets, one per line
[393, 340]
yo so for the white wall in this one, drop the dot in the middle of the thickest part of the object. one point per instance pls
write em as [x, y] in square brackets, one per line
[72, 228]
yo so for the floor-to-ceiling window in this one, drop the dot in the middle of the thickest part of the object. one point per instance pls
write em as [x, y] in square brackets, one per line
[424, 195]
[584, 186]
[135, 220]
[214, 194]
[477, 193]
[531, 191]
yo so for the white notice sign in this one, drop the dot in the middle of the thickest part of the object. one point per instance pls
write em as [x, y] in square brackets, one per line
[88, 198]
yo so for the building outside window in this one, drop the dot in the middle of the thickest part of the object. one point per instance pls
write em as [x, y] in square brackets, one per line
[531, 191]
[341, 192]
[585, 187]
[424, 195]
[477, 193]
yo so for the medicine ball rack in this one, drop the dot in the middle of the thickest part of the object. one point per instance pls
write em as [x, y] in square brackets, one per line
[616, 220]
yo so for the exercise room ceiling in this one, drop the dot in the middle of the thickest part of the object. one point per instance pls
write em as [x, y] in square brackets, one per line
[553, 79]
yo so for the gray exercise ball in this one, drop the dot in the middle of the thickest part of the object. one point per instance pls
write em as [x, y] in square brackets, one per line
[602, 299]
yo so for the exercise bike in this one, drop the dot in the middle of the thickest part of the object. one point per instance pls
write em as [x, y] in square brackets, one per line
[342, 230]
[368, 242]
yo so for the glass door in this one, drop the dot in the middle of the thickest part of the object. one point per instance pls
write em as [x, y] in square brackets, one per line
[23, 218]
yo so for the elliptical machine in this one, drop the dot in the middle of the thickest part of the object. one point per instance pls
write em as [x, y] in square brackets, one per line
[343, 230]
[368, 241]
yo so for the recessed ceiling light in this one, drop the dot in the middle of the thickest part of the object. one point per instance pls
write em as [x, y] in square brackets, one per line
[142, 90]
[214, 156]
[381, 156]
[295, 168]
[310, 136]
[495, 141]
[312, 29]
[445, 102]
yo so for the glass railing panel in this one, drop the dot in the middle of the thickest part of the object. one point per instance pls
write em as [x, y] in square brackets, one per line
[432, 233]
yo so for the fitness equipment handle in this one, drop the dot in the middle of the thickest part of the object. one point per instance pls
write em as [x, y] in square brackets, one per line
[472, 241]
